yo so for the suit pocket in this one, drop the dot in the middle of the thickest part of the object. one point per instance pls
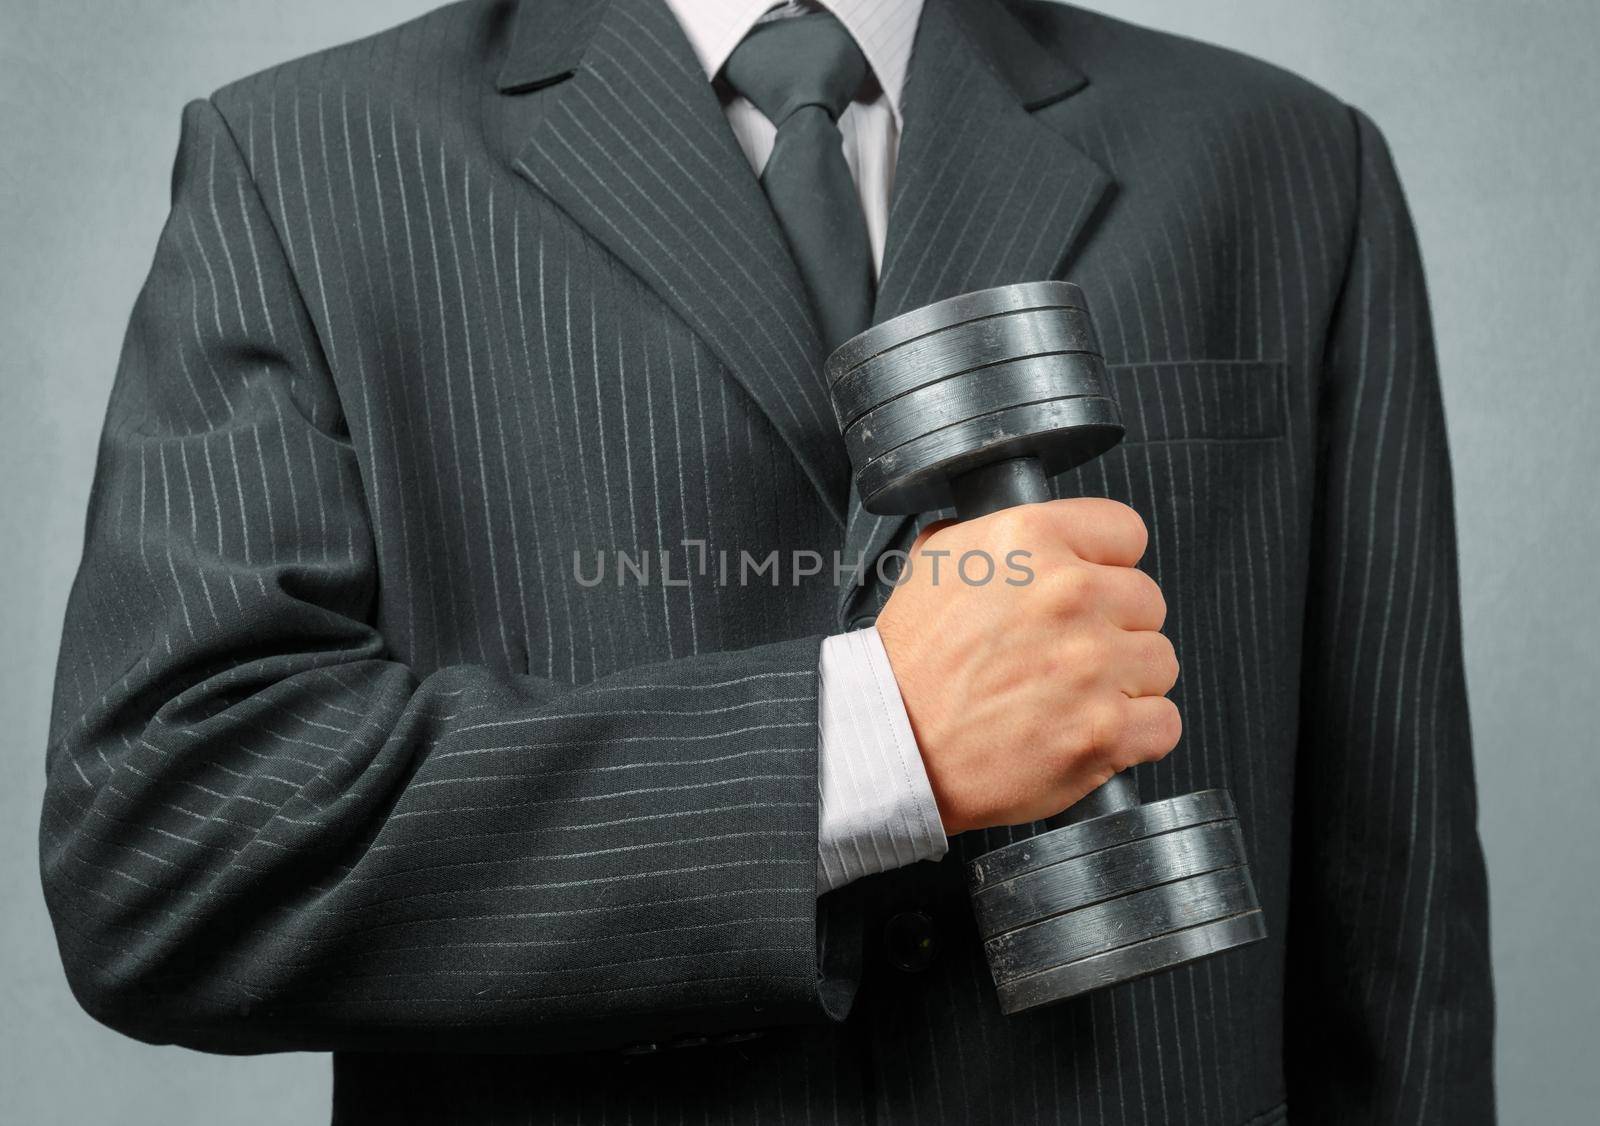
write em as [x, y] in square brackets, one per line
[1200, 400]
[1205, 462]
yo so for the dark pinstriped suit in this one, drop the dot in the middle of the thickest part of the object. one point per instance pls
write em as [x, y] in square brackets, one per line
[344, 759]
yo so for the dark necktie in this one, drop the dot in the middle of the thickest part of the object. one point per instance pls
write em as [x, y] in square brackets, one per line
[801, 72]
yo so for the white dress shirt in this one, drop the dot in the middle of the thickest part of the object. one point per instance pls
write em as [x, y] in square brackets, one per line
[876, 808]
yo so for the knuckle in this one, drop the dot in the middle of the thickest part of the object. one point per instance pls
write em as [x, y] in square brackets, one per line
[1130, 523]
[1071, 588]
[1063, 518]
[1077, 658]
[1014, 527]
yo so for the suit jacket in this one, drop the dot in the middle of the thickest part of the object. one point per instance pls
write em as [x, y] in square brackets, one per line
[344, 759]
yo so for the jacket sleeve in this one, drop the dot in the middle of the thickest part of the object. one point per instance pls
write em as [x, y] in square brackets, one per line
[1390, 1007]
[262, 832]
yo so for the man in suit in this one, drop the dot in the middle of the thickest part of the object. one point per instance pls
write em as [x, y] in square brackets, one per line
[345, 758]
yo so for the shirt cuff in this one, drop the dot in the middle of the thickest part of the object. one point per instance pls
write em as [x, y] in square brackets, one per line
[876, 807]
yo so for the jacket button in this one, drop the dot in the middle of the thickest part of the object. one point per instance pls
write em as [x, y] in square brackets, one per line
[911, 941]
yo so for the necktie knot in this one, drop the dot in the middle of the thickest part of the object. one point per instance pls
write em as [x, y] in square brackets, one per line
[800, 72]
[785, 65]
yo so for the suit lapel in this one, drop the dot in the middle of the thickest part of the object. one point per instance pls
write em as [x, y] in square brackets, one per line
[986, 193]
[634, 146]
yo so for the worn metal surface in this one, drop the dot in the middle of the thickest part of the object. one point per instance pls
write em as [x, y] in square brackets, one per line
[1143, 914]
[917, 475]
[1085, 837]
[969, 394]
[1128, 963]
[946, 353]
[937, 392]
[1108, 874]
[966, 307]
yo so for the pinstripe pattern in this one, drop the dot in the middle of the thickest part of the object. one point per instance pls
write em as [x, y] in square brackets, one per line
[343, 758]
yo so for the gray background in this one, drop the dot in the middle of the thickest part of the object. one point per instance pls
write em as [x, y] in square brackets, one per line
[1491, 107]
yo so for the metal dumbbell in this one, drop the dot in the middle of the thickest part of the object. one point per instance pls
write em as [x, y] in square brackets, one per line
[975, 402]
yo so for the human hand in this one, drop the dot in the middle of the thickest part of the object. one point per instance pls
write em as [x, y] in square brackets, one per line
[1026, 693]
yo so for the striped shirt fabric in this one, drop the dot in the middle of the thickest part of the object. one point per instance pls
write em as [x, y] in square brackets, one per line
[877, 811]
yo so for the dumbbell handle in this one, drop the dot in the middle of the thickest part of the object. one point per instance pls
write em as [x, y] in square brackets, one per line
[1004, 484]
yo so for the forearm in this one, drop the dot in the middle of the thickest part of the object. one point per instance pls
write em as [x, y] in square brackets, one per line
[264, 829]
[315, 849]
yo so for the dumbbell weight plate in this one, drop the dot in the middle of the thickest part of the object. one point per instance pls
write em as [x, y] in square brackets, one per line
[1108, 874]
[1127, 963]
[1056, 845]
[952, 311]
[1062, 433]
[949, 354]
[1018, 382]
[1100, 927]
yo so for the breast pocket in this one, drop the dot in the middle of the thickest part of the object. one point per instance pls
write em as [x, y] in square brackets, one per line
[1206, 461]
[1200, 400]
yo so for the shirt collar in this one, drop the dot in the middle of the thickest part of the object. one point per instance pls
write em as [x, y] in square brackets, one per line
[883, 29]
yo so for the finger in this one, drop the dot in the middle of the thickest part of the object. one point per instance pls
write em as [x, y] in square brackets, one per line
[1100, 531]
[1149, 730]
[1146, 665]
[1128, 598]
